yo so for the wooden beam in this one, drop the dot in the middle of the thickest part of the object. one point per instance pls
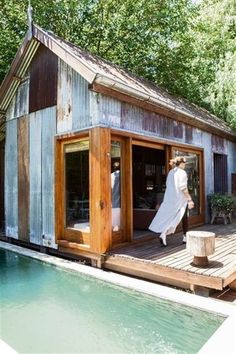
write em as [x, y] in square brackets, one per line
[100, 189]
[140, 269]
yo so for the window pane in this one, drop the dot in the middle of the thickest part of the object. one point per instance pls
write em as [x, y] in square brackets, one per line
[77, 185]
[192, 169]
[115, 185]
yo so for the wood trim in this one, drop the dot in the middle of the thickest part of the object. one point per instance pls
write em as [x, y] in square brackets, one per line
[78, 236]
[148, 144]
[23, 178]
[100, 189]
[127, 190]
[61, 232]
[142, 269]
[73, 136]
[170, 113]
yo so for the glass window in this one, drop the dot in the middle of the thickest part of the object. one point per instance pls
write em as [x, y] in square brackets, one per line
[115, 185]
[77, 185]
[192, 169]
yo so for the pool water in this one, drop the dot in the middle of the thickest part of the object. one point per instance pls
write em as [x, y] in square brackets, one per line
[47, 310]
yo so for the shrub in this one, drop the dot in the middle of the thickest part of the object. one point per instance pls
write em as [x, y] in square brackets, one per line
[222, 202]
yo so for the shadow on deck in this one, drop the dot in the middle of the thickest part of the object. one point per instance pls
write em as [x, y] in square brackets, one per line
[172, 265]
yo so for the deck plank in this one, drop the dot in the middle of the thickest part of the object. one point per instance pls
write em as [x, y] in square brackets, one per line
[151, 260]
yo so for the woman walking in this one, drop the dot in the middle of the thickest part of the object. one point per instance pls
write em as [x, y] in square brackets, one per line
[175, 203]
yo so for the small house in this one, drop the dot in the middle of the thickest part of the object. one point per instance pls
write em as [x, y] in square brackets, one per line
[85, 147]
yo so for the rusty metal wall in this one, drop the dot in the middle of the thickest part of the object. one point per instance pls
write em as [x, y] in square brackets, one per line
[114, 113]
[73, 107]
[11, 179]
[43, 80]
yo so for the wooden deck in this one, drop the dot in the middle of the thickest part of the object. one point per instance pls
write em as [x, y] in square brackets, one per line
[173, 265]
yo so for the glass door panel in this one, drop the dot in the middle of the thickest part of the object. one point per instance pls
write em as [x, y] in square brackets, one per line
[193, 171]
[116, 185]
[76, 157]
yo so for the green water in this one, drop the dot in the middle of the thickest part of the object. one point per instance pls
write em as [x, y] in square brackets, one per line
[47, 310]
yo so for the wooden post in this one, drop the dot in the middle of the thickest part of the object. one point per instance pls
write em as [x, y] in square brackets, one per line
[100, 189]
[200, 244]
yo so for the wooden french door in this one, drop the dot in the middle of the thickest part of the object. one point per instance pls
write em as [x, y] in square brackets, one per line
[195, 172]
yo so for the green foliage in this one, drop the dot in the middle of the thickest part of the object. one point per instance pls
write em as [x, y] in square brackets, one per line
[188, 47]
[222, 202]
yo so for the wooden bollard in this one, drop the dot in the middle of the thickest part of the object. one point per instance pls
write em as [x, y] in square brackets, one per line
[200, 244]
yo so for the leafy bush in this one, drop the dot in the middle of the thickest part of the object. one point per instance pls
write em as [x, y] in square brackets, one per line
[222, 202]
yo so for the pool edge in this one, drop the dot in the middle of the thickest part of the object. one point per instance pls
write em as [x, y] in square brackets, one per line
[181, 297]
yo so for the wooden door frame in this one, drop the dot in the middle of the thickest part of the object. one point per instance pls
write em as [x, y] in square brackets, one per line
[197, 219]
[61, 232]
[98, 240]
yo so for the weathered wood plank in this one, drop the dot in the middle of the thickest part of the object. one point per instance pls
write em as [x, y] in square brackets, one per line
[23, 178]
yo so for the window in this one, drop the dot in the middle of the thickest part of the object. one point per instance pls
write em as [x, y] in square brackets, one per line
[193, 172]
[77, 185]
[220, 173]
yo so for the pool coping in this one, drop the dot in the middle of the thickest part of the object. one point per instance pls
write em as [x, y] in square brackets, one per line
[223, 340]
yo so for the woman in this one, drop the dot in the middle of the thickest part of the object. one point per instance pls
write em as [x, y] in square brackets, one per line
[175, 203]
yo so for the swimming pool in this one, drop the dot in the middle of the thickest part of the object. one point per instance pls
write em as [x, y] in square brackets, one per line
[45, 309]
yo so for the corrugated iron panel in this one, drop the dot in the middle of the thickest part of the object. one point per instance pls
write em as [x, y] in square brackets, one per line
[43, 80]
[48, 176]
[64, 98]
[35, 178]
[19, 105]
[80, 102]
[11, 180]
[18, 73]
[218, 144]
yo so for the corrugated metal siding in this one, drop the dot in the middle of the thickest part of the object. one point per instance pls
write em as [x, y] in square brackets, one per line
[231, 163]
[48, 176]
[35, 178]
[117, 114]
[73, 107]
[80, 102]
[11, 179]
[19, 105]
[218, 144]
[42, 132]
[64, 98]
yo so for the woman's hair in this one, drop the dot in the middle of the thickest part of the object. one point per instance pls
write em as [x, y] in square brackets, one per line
[177, 161]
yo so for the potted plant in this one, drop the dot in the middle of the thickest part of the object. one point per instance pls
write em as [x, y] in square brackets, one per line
[221, 205]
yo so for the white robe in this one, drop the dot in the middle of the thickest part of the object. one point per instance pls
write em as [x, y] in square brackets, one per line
[174, 203]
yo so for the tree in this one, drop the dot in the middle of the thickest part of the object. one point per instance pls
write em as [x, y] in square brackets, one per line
[184, 46]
